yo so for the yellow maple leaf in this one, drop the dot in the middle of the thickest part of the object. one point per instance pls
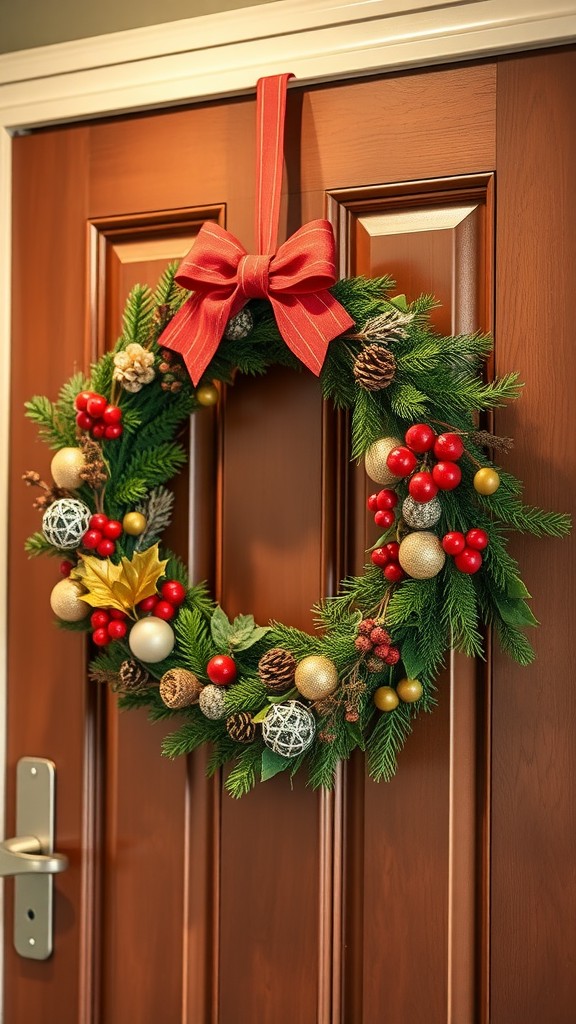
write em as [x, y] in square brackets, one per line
[99, 576]
[120, 586]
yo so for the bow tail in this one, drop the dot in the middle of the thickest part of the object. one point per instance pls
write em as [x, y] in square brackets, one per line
[308, 323]
[196, 330]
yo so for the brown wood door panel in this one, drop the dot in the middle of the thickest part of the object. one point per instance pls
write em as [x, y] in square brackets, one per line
[372, 903]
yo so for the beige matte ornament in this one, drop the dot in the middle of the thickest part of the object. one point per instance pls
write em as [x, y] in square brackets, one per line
[375, 461]
[66, 603]
[421, 555]
[66, 468]
[316, 677]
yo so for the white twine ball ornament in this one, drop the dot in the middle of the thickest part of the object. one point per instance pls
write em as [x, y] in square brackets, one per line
[289, 729]
[65, 522]
[212, 702]
[239, 326]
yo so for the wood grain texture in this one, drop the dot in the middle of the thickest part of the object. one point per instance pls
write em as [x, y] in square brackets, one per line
[534, 795]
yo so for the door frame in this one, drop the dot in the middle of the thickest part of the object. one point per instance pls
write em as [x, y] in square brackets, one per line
[221, 55]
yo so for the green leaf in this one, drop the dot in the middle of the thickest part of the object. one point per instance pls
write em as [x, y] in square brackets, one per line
[514, 612]
[273, 764]
[357, 735]
[412, 659]
[516, 588]
[220, 628]
[261, 716]
[400, 301]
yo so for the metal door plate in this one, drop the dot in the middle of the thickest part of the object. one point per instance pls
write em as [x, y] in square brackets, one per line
[33, 900]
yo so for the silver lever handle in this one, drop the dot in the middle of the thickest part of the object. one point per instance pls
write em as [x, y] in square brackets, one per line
[23, 856]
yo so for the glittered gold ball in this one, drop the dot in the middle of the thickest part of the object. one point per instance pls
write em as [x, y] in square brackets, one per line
[65, 601]
[421, 555]
[66, 467]
[486, 480]
[316, 677]
[134, 523]
[386, 698]
[375, 461]
[207, 395]
[409, 690]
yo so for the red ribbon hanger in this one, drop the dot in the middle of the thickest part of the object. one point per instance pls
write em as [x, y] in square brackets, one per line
[295, 278]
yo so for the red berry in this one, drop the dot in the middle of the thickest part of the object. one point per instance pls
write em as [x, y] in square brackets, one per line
[366, 626]
[384, 518]
[106, 548]
[113, 529]
[381, 651]
[372, 503]
[81, 400]
[99, 618]
[420, 437]
[447, 475]
[84, 421]
[148, 604]
[380, 636]
[448, 447]
[112, 414]
[422, 487]
[392, 547]
[114, 431]
[477, 539]
[394, 573]
[98, 521]
[401, 461]
[221, 670]
[164, 610]
[362, 644]
[117, 630]
[386, 499]
[393, 656]
[91, 539]
[98, 431]
[380, 556]
[453, 542]
[468, 560]
[100, 636]
[115, 613]
[95, 406]
[66, 567]
[173, 591]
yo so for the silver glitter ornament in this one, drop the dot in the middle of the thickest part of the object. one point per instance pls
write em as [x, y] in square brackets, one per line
[421, 515]
[65, 522]
[289, 728]
[239, 326]
[211, 701]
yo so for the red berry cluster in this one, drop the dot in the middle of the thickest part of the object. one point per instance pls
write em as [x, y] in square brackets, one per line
[96, 414]
[165, 604]
[466, 549]
[382, 505]
[101, 535]
[108, 624]
[373, 639]
[387, 559]
[445, 474]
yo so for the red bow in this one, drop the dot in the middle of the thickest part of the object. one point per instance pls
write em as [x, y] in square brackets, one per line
[295, 280]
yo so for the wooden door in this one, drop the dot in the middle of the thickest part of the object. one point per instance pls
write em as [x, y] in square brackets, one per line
[447, 895]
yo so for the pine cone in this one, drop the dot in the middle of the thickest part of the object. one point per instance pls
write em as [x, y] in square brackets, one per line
[133, 676]
[179, 688]
[276, 669]
[374, 368]
[133, 367]
[240, 727]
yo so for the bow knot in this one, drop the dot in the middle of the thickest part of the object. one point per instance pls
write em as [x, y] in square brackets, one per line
[253, 276]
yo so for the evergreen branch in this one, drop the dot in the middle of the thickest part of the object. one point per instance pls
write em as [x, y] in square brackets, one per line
[388, 737]
[193, 734]
[246, 771]
[248, 694]
[514, 643]
[137, 316]
[195, 643]
[55, 430]
[38, 545]
[146, 470]
[526, 518]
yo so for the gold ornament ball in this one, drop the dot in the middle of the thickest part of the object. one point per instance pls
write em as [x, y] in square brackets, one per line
[386, 698]
[375, 461]
[66, 467]
[65, 601]
[486, 480]
[151, 640]
[134, 523]
[207, 395]
[421, 555]
[316, 677]
[409, 690]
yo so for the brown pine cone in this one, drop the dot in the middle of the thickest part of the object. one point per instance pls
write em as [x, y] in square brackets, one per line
[179, 688]
[240, 727]
[374, 368]
[133, 676]
[276, 669]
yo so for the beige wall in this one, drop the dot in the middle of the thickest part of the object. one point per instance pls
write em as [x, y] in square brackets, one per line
[26, 23]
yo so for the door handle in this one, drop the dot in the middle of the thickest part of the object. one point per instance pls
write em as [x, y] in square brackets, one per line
[30, 857]
[23, 856]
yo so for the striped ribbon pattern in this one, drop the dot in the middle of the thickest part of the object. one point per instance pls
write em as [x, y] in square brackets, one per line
[295, 278]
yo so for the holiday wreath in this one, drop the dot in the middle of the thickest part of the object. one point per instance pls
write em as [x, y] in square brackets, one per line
[273, 698]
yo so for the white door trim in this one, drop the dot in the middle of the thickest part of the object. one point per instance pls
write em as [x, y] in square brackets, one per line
[224, 54]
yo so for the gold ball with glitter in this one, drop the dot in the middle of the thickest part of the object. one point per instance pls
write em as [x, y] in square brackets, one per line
[66, 603]
[421, 555]
[409, 690]
[66, 467]
[421, 515]
[486, 481]
[134, 523]
[316, 677]
[375, 461]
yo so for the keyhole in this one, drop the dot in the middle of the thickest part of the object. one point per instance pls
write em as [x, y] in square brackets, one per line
[30, 914]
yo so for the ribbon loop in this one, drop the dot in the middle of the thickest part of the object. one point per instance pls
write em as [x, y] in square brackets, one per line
[253, 276]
